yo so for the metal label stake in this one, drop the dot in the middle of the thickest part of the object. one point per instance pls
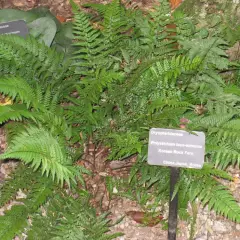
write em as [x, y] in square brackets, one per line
[175, 149]
[173, 204]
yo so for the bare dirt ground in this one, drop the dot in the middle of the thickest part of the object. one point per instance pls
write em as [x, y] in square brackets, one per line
[62, 7]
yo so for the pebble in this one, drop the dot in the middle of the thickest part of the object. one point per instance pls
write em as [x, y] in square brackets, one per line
[121, 226]
[202, 238]
[238, 227]
[219, 227]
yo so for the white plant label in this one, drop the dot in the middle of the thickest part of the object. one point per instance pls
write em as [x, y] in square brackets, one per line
[176, 148]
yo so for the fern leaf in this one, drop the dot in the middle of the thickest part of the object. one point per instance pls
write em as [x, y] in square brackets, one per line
[114, 24]
[37, 190]
[17, 87]
[13, 222]
[31, 60]
[40, 149]
[217, 197]
[89, 43]
[208, 50]
[213, 120]
[14, 112]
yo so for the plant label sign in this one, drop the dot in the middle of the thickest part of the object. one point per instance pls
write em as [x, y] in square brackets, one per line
[15, 27]
[176, 148]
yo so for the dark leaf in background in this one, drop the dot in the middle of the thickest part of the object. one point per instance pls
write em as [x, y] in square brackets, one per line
[44, 29]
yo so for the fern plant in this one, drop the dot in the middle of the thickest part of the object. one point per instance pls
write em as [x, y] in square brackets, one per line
[71, 218]
[163, 87]
[36, 190]
[37, 79]
[37, 88]
[42, 133]
[83, 224]
[40, 206]
[126, 76]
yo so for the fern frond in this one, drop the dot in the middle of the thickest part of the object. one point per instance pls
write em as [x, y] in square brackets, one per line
[124, 145]
[209, 170]
[89, 43]
[84, 224]
[15, 112]
[77, 220]
[93, 88]
[159, 80]
[208, 50]
[160, 16]
[173, 103]
[223, 154]
[13, 184]
[17, 87]
[184, 25]
[175, 67]
[13, 222]
[40, 149]
[213, 120]
[31, 60]
[232, 89]
[114, 24]
[217, 197]
[37, 189]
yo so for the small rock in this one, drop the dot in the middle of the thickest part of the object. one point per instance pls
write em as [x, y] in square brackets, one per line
[201, 238]
[115, 190]
[238, 227]
[21, 194]
[121, 238]
[204, 237]
[25, 3]
[218, 226]
[121, 226]
[103, 174]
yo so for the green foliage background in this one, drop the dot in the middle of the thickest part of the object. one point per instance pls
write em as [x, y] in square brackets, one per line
[129, 72]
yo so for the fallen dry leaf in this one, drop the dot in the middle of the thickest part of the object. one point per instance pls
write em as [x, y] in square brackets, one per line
[175, 3]
[145, 218]
[61, 18]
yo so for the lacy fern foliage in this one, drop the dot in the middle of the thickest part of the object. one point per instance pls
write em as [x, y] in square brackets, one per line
[168, 73]
[37, 89]
[129, 72]
[35, 191]
[37, 147]
[72, 219]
